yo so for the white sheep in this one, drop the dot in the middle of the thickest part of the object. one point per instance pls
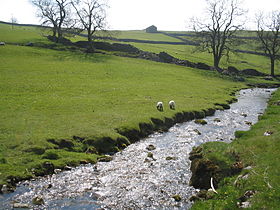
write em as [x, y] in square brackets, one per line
[160, 106]
[172, 105]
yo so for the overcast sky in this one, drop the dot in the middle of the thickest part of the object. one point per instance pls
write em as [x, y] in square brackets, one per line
[138, 14]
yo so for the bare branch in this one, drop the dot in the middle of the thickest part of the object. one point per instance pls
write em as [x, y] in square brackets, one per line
[92, 16]
[216, 30]
[54, 13]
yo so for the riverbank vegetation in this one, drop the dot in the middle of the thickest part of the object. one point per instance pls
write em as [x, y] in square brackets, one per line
[257, 153]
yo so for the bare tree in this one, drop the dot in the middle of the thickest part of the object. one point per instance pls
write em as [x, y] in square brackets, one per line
[92, 16]
[269, 36]
[13, 21]
[54, 13]
[215, 32]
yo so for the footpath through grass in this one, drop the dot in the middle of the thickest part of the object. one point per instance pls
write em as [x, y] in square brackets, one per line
[258, 151]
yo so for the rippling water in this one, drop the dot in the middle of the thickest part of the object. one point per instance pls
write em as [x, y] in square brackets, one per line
[143, 177]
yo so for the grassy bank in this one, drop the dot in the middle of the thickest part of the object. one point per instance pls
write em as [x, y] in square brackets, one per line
[258, 183]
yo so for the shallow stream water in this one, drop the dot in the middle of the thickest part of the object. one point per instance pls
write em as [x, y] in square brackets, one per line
[142, 176]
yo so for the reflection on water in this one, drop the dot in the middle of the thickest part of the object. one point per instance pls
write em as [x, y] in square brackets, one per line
[143, 176]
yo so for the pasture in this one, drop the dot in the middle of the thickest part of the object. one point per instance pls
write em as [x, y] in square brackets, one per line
[52, 95]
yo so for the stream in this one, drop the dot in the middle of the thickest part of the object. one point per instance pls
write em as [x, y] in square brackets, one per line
[146, 175]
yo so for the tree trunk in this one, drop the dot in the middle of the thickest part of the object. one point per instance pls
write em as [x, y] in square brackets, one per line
[272, 64]
[59, 34]
[90, 42]
[54, 32]
[216, 63]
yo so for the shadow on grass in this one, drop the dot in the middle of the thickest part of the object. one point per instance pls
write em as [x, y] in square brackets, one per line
[96, 57]
[277, 77]
[73, 52]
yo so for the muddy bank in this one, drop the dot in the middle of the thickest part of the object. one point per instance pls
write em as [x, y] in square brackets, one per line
[223, 162]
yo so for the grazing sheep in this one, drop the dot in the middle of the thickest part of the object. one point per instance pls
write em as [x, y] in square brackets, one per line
[172, 105]
[160, 106]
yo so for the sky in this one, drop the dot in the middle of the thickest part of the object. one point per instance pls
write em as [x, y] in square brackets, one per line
[169, 15]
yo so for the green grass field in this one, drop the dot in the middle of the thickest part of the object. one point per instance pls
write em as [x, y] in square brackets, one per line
[57, 94]
[185, 52]
[21, 34]
[47, 94]
[142, 35]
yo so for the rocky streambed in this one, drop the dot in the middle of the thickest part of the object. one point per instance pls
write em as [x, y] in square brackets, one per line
[150, 174]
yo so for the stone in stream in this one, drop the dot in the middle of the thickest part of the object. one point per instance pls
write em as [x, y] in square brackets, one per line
[57, 170]
[150, 147]
[217, 120]
[197, 131]
[200, 121]
[171, 158]
[147, 160]
[203, 195]
[38, 200]
[83, 162]
[21, 206]
[67, 168]
[248, 123]
[106, 158]
[6, 189]
[151, 155]
[244, 115]
[177, 198]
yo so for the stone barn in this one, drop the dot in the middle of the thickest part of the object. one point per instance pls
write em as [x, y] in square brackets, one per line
[151, 29]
